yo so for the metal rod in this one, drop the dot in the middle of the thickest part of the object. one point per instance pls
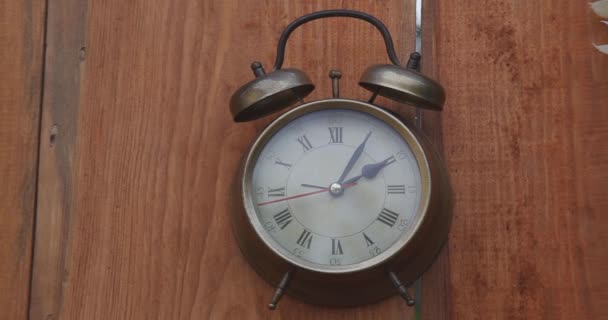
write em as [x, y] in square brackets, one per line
[258, 69]
[401, 289]
[418, 47]
[335, 76]
[278, 293]
[418, 298]
[373, 97]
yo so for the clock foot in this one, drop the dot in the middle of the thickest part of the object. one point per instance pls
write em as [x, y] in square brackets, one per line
[402, 289]
[278, 293]
[373, 97]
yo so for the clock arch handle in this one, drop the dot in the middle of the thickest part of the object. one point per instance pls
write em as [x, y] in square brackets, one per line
[388, 40]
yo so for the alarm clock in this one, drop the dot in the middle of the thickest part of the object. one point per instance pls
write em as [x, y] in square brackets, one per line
[340, 202]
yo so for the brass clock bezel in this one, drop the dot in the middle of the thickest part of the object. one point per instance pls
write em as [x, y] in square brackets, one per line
[336, 104]
[365, 285]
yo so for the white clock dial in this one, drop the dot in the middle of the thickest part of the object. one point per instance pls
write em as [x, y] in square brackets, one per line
[335, 188]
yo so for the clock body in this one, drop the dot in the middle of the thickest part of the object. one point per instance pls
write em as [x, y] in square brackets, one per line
[340, 193]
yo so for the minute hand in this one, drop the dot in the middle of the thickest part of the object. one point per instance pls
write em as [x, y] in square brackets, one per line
[369, 171]
[354, 158]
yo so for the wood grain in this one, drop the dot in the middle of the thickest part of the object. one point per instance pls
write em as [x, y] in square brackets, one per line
[525, 135]
[21, 35]
[135, 187]
[65, 55]
[436, 293]
[135, 190]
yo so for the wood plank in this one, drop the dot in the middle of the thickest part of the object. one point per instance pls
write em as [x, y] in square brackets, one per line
[436, 293]
[136, 189]
[525, 136]
[65, 56]
[21, 39]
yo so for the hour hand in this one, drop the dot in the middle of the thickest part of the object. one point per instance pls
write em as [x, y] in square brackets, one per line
[369, 171]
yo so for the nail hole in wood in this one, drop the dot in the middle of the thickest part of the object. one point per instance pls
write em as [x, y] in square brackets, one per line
[82, 55]
[53, 136]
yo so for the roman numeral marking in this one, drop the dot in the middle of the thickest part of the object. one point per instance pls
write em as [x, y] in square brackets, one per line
[283, 218]
[368, 241]
[395, 189]
[303, 140]
[281, 163]
[388, 217]
[335, 134]
[336, 247]
[305, 239]
[278, 192]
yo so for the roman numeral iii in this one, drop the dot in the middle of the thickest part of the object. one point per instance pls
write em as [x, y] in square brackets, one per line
[283, 218]
[336, 247]
[335, 134]
[388, 217]
[303, 140]
[305, 239]
[395, 189]
[278, 192]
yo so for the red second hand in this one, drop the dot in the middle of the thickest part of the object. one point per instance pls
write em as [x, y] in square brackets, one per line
[346, 185]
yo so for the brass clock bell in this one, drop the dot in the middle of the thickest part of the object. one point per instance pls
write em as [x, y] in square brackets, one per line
[339, 202]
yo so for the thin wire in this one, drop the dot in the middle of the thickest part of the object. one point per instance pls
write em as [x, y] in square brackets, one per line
[418, 299]
[419, 26]
[418, 45]
[418, 124]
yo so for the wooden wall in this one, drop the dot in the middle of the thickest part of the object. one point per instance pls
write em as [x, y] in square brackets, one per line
[21, 59]
[137, 154]
[525, 136]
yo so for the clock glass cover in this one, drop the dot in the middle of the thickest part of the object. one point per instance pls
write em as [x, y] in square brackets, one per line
[336, 190]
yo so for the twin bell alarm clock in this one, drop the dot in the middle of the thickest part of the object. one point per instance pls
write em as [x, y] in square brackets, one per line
[339, 201]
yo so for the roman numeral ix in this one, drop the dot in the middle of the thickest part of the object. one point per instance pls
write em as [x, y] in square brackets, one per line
[278, 192]
[281, 163]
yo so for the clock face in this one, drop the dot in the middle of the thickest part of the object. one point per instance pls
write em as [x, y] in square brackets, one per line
[336, 190]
